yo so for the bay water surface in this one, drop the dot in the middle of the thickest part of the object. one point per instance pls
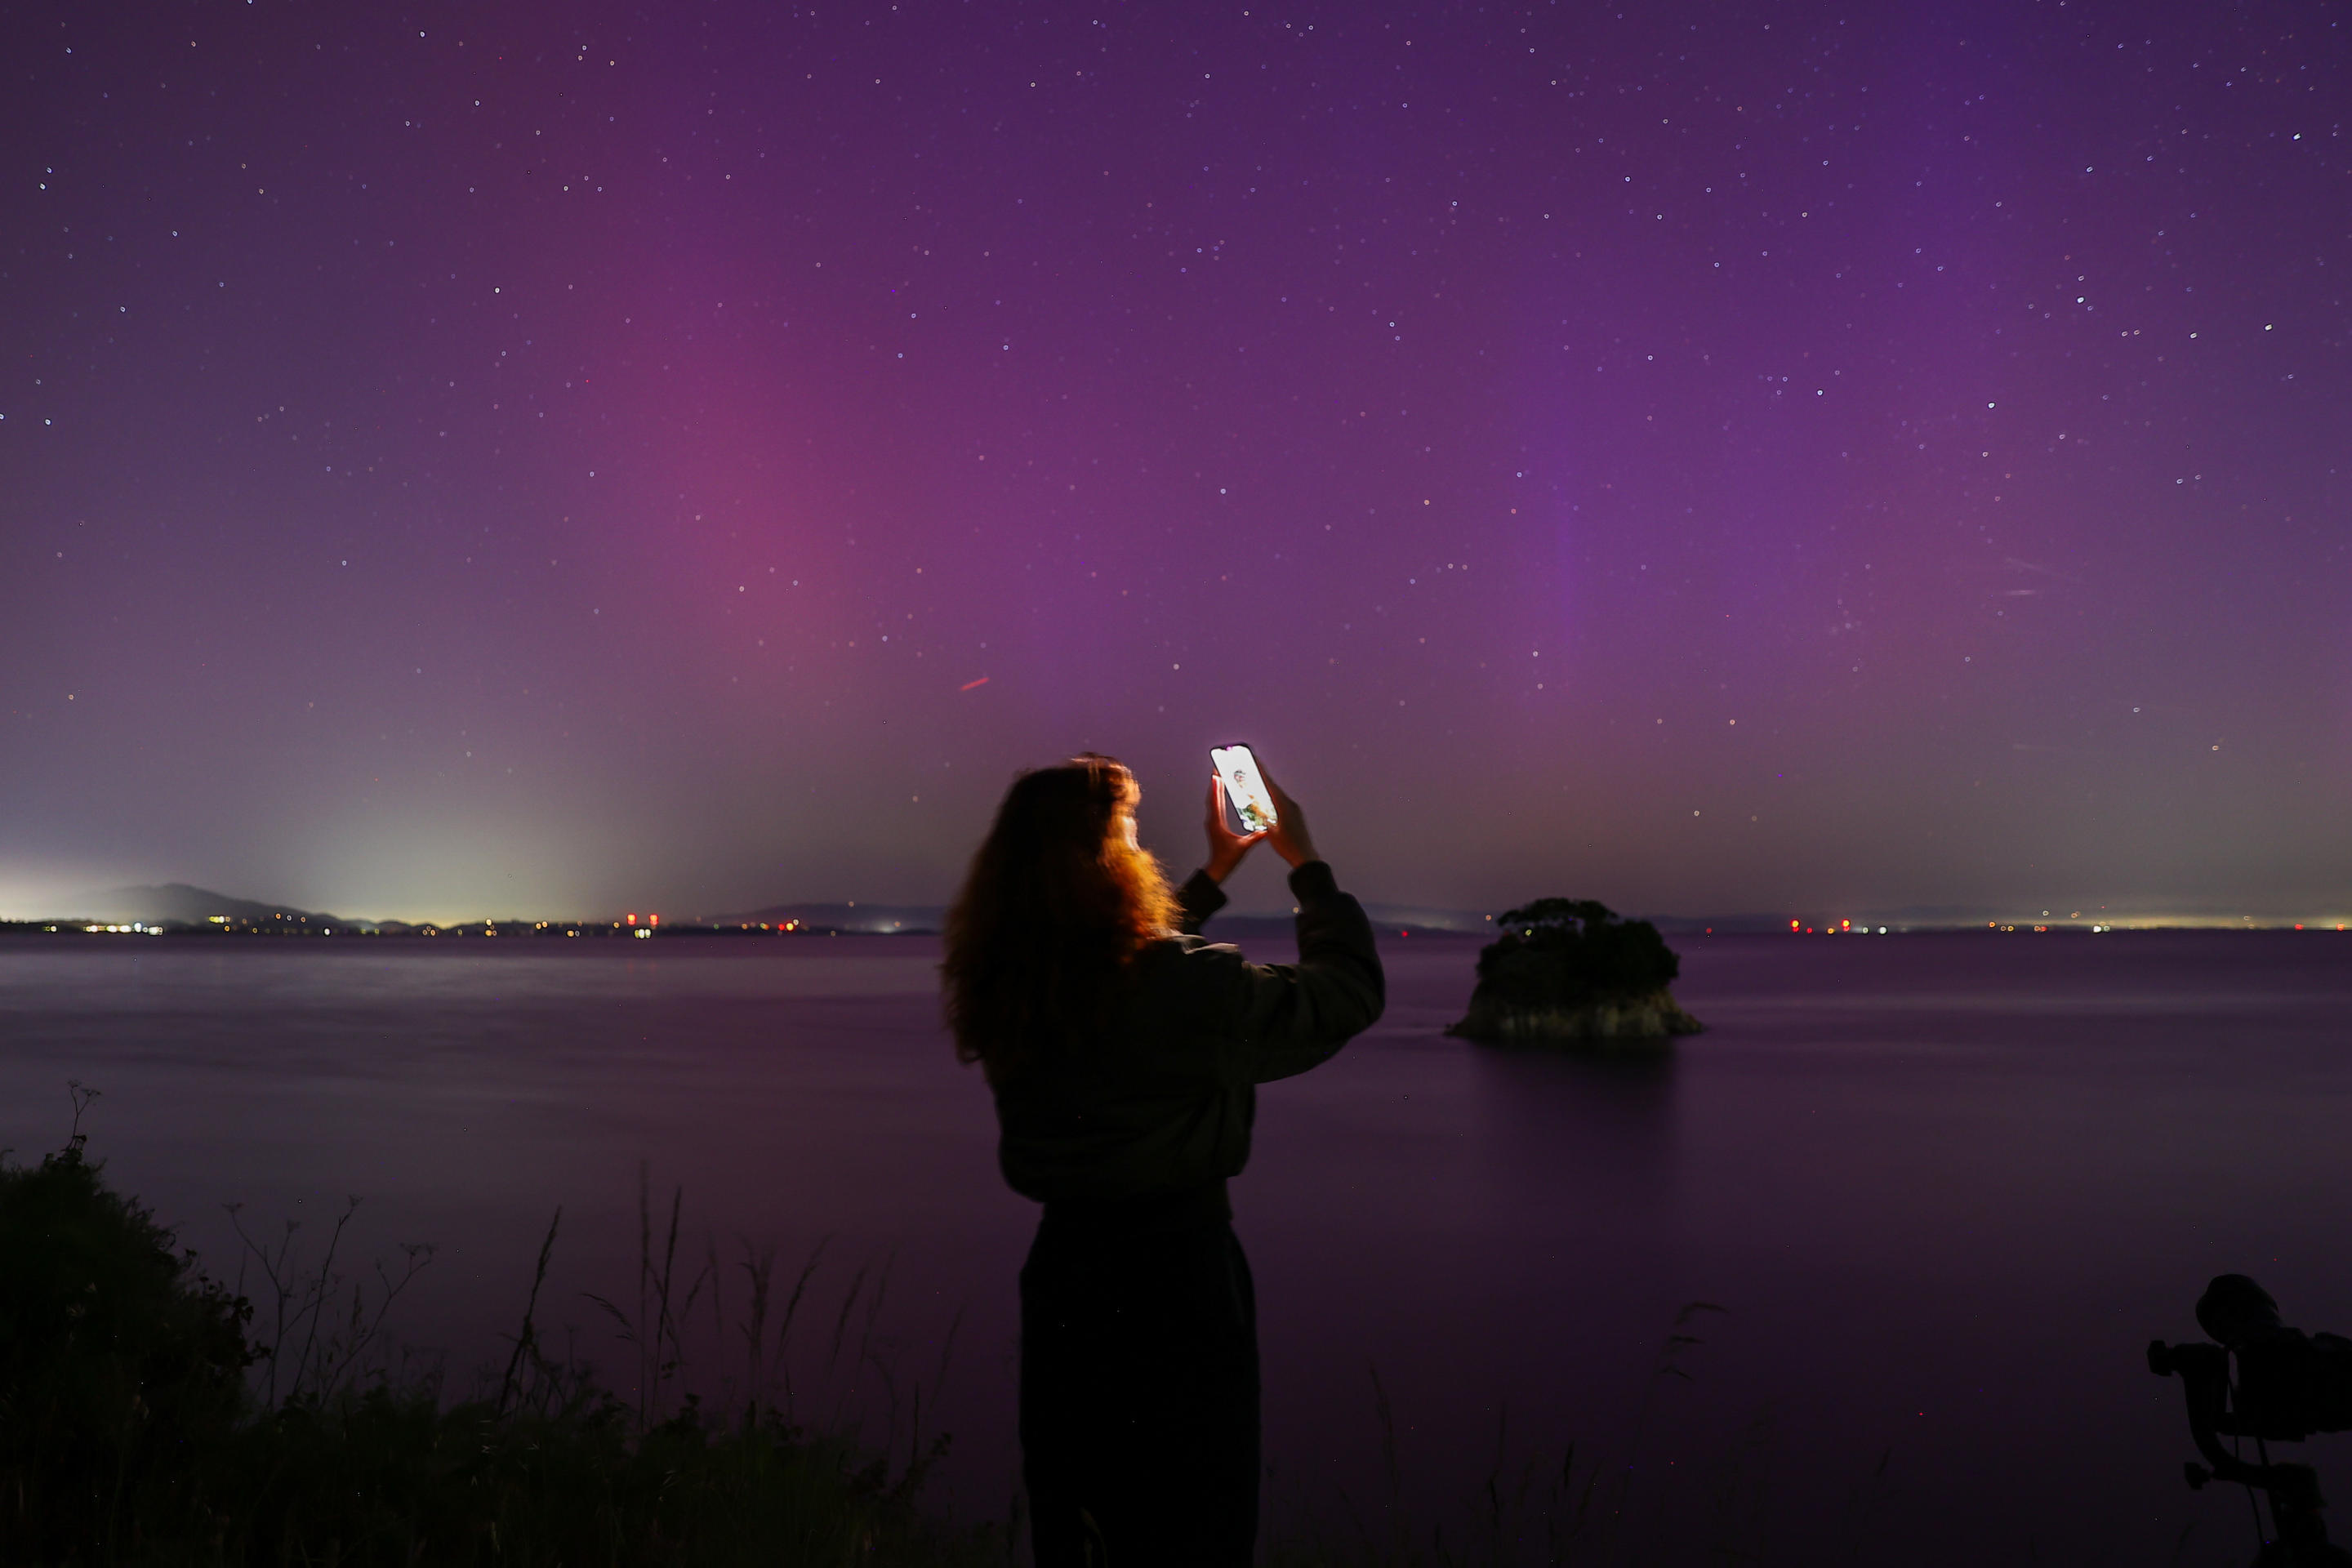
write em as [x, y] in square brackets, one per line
[1935, 1193]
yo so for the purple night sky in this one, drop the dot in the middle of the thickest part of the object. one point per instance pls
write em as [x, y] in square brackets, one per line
[531, 459]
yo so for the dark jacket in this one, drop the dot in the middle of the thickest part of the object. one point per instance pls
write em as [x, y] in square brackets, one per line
[1161, 1107]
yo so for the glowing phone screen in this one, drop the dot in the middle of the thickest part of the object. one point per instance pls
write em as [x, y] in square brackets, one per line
[1246, 789]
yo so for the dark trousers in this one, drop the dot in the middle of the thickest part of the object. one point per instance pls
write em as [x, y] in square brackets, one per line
[1139, 1396]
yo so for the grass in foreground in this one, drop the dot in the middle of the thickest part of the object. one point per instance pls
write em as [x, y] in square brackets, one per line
[133, 1431]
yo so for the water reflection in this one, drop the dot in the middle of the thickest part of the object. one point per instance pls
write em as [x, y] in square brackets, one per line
[1601, 1124]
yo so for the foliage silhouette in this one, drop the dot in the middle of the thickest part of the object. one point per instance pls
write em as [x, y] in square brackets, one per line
[117, 1358]
[1569, 968]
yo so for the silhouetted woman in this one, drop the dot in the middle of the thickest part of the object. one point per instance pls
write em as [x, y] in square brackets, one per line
[1125, 1054]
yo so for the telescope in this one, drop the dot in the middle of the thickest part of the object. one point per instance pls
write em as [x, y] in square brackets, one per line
[2289, 1384]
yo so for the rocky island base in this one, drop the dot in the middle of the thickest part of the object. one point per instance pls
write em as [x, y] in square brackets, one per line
[1631, 1020]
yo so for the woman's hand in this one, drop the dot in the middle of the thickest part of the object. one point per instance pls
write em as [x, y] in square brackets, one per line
[1226, 847]
[1290, 830]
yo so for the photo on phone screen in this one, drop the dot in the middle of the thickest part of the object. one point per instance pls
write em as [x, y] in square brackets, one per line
[1246, 789]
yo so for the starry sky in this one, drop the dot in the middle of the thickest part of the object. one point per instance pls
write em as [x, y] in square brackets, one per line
[540, 459]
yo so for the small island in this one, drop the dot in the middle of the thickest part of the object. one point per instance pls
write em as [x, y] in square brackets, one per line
[1569, 971]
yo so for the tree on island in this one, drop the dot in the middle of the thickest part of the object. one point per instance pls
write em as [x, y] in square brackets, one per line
[1570, 969]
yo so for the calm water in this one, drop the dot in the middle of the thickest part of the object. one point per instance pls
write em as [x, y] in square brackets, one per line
[1946, 1188]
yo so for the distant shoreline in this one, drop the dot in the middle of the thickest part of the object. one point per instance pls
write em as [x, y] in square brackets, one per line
[1244, 927]
[178, 909]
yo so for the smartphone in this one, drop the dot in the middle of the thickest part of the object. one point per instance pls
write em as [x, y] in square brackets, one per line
[1246, 789]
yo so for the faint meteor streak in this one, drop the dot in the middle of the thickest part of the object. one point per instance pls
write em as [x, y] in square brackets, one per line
[968, 685]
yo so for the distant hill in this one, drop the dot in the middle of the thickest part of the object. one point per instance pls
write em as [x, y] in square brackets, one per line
[1415, 918]
[1388, 920]
[176, 904]
[1748, 924]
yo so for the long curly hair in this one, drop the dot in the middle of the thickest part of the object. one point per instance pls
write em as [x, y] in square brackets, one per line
[1058, 903]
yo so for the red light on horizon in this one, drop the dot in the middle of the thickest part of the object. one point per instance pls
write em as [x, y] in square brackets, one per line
[653, 919]
[633, 920]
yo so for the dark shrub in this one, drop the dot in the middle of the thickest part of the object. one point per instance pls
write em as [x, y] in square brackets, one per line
[1573, 952]
[121, 1366]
